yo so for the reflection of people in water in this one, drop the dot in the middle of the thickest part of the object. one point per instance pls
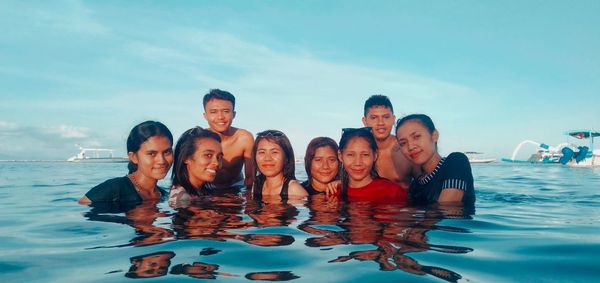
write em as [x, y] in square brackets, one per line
[140, 217]
[150, 265]
[271, 213]
[200, 270]
[394, 232]
[272, 276]
[214, 218]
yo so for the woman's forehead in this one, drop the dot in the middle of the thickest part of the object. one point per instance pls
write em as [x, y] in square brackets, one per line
[268, 144]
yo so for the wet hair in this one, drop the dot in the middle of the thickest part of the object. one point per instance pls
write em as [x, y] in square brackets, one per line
[421, 118]
[185, 148]
[219, 94]
[347, 135]
[289, 166]
[311, 149]
[378, 100]
[141, 133]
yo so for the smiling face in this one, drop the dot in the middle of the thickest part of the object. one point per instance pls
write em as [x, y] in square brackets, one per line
[324, 166]
[219, 114]
[381, 119]
[202, 166]
[358, 159]
[269, 158]
[416, 143]
[154, 158]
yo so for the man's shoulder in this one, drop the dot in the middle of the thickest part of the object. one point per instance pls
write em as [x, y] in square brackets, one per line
[242, 135]
[389, 144]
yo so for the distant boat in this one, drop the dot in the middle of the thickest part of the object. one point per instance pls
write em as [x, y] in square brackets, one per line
[96, 155]
[564, 153]
[472, 155]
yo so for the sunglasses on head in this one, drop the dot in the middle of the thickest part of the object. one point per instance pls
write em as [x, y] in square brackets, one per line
[270, 133]
[352, 130]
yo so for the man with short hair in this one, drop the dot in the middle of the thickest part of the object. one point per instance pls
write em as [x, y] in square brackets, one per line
[391, 163]
[219, 112]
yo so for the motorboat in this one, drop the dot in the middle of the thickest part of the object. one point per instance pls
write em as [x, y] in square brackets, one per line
[566, 153]
[582, 156]
[473, 157]
[96, 155]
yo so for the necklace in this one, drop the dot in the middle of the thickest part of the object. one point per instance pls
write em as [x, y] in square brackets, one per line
[137, 185]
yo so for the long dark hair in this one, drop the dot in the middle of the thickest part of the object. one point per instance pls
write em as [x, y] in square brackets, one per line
[421, 118]
[347, 135]
[311, 149]
[141, 133]
[289, 166]
[186, 147]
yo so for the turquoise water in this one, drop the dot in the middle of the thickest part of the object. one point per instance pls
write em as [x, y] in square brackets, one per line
[532, 223]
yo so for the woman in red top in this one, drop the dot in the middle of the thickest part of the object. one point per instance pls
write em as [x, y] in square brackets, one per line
[360, 181]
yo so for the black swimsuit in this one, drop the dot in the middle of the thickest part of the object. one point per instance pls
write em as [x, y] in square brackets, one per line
[309, 189]
[284, 189]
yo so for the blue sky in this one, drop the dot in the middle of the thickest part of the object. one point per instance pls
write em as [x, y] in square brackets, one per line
[489, 73]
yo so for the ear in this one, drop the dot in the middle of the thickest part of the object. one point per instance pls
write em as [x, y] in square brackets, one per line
[435, 136]
[204, 115]
[376, 156]
[364, 121]
[340, 156]
[133, 157]
[233, 115]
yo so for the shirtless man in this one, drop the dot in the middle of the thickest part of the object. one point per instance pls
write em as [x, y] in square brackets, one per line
[219, 112]
[391, 163]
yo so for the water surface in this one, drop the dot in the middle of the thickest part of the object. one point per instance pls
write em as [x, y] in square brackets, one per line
[531, 223]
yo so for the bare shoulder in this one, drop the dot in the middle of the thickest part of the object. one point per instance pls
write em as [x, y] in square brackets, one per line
[294, 188]
[243, 135]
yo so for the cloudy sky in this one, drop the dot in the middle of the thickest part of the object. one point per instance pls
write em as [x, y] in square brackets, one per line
[490, 73]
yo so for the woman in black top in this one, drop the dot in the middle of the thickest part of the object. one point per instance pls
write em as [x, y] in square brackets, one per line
[274, 166]
[321, 163]
[445, 180]
[150, 152]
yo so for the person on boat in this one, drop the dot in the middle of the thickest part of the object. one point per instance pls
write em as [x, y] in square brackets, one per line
[321, 164]
[391, 164]
[360, 180]
[219, 112]
[150, 152]
[274, 164]
[198, 157]
[444, 179]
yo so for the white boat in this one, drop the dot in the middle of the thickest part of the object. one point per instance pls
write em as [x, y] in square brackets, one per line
[472, 156]
[565, 153]
[582, 156]
[545, 154]
[96, 155]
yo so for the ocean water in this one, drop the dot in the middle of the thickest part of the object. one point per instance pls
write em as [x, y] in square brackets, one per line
[530, 224]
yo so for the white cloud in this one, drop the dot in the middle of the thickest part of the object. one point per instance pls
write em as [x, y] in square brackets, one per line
[7, 126]
[48, 142]
[73, 16]
[70, 132]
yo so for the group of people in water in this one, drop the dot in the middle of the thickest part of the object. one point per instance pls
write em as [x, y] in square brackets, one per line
[368, 163]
